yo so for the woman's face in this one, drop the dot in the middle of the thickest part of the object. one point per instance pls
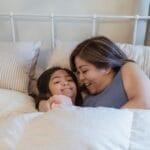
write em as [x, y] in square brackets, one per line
[94, 79]
[62, 84]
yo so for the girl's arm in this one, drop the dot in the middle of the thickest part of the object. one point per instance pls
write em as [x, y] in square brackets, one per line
[41, 103]
[44, 106]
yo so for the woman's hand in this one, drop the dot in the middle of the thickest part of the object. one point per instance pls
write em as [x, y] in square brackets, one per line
[44, 106]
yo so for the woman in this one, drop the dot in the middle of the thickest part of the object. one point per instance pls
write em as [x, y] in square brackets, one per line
[57, 86]
[111, 79]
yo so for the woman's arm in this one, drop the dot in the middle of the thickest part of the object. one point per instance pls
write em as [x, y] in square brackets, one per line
[136, 85]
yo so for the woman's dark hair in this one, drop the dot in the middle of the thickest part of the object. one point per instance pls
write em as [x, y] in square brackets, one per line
[43, 85]
[101, 52]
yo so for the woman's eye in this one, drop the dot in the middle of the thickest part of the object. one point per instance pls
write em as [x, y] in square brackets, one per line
[77, 73]
[84, 71]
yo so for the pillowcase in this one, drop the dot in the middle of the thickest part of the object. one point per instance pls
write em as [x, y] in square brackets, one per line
[17, 64]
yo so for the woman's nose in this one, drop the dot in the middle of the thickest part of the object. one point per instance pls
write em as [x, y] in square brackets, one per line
[81, 77]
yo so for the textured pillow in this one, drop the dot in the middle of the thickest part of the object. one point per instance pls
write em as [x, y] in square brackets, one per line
[17, 63]
[140, 54]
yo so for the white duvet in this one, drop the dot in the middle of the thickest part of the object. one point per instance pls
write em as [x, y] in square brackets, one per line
[71, 128]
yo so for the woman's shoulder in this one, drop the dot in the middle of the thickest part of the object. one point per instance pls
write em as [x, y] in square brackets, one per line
[131, 69]
[129, 65]
[131, 73]
[135, 81]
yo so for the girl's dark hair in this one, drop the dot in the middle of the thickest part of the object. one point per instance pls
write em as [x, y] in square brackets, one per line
[43, 85]
[101, 52]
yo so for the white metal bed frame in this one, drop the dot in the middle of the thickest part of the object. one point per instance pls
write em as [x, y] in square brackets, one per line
[94, 18]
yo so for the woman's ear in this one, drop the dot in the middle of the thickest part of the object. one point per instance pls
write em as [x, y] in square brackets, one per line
[108, 70]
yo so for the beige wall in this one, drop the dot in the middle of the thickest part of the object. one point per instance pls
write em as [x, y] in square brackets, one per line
[128, 7]
[102, 7]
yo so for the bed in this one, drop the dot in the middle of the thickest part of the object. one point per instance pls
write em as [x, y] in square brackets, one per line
[71, 128]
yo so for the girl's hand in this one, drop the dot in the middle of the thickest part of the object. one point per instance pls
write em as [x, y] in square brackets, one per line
[44, 106]
[60, 100]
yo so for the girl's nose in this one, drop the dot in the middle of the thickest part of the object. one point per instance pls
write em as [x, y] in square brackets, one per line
[65, 83]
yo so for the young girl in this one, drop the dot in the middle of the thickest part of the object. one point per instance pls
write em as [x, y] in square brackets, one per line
[57, 86]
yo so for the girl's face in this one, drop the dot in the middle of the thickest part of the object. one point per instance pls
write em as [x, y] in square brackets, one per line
[62, 84]
[94, 79]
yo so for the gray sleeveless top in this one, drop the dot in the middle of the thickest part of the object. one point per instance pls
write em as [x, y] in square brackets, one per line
[113, 96]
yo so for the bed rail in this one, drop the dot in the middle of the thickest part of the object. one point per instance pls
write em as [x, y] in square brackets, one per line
[93, 18]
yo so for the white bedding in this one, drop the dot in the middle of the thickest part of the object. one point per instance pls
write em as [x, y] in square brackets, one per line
[72, 128]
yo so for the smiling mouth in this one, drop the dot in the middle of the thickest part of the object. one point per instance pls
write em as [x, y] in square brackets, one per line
[67, 91]
[87, 85]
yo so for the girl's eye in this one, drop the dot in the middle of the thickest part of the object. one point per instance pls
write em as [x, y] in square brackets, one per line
[56, 82]
[70, 80]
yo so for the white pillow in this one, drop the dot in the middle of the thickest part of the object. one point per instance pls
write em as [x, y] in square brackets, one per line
[12, 102]
[17, 64]
[138, 53]
[61, 53]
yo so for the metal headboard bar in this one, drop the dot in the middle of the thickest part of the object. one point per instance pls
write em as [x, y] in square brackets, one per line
[12, 27]
[94, 25]
[52, 32]
[135, 28]
[94, 18]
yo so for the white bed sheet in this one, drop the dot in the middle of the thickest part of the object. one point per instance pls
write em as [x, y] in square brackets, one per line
[72, 128]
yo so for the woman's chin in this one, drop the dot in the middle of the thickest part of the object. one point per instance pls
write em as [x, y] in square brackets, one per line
[92, 91]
